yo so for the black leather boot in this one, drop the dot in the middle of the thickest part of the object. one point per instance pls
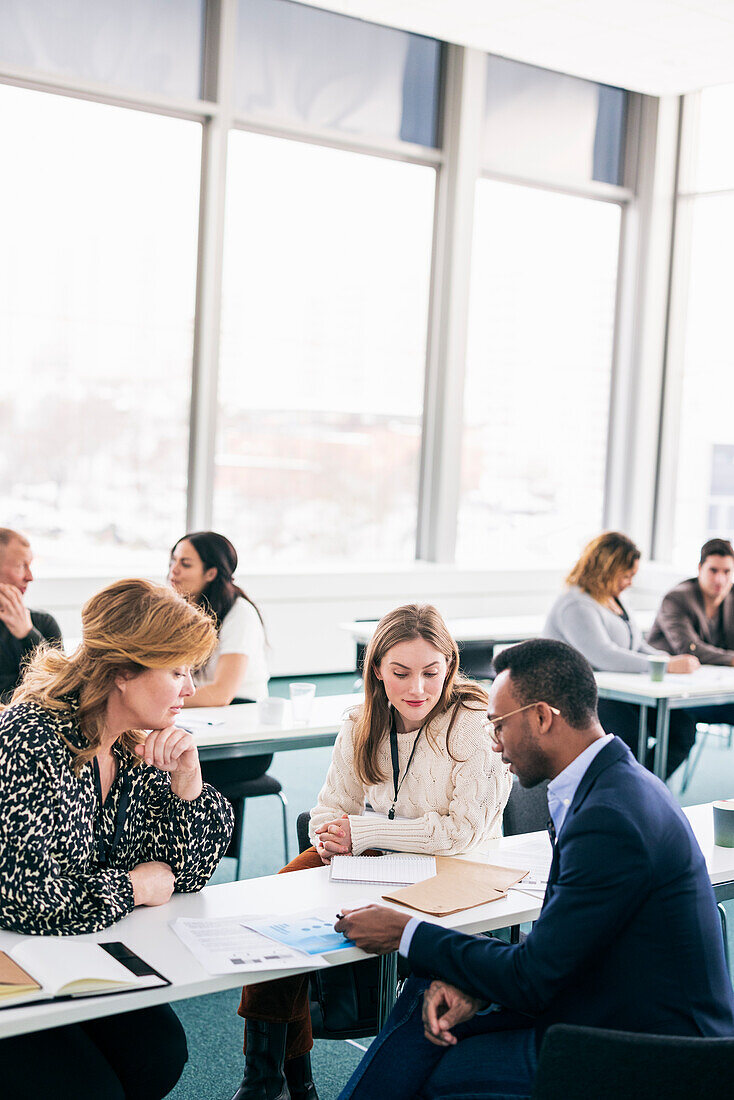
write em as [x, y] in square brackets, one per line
[300, 1079]
[264, 1073]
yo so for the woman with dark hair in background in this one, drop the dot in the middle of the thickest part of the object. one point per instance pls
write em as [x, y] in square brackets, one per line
[591, 617]
[202, 568]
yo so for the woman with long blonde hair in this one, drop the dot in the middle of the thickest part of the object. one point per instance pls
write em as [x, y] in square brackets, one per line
[98, 816]
[590, 616]
[418, 752]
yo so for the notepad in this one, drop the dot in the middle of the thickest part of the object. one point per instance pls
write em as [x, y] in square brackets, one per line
[393, 870]
[50, 967]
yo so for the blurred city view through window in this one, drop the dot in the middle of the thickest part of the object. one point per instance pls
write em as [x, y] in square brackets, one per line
[539, 361]
[321, 373]
[324, 320]
[99, 222]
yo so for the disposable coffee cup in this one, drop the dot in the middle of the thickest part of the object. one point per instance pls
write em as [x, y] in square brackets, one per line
[271, 711]
[657, 666]
[302, 697]
[724, 823]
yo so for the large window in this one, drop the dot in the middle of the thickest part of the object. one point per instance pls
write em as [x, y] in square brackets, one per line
[538, 375]
[326, 281]
[701, 364]
[98, 219]
[316, 213]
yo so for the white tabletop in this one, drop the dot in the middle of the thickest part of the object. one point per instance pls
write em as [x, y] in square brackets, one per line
[147, 931]
[241, 724]
[707, 680]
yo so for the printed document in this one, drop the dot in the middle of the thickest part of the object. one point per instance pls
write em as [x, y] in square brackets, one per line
[227, 945]
[528, 853]
[309, 932]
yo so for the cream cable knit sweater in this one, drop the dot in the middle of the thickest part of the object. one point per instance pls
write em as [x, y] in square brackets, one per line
[453, 805]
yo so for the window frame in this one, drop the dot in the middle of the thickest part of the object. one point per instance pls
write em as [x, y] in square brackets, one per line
[458, 165]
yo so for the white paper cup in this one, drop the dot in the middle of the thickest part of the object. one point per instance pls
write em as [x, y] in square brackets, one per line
[657, 667]
[271, 711]
[724, 824]
[302, 697]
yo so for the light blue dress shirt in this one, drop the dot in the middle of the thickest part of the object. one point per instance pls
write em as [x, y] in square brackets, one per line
[561, 791]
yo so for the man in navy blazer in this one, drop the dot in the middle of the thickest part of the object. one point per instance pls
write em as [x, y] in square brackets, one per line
[628, 937]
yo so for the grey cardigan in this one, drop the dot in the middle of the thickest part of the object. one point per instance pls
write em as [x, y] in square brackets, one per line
[609, 642]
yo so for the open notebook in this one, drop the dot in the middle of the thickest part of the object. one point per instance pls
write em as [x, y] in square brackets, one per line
[49, 968]
[391, 870]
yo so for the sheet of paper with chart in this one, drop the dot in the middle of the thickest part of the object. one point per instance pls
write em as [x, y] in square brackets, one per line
[227, 945]
[310, 932]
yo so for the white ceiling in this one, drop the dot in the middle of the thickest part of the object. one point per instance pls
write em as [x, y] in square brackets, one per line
[660, 47]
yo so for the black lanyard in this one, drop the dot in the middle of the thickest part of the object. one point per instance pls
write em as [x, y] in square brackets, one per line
[105, 851]
[396, 763]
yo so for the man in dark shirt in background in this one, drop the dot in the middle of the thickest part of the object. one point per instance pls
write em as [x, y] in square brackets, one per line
[697, 616]
[21, 630]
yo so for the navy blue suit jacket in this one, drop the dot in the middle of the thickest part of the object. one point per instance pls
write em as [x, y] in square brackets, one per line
[629, 935]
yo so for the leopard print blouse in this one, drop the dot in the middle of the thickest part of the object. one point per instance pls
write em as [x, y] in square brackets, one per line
[59, 871]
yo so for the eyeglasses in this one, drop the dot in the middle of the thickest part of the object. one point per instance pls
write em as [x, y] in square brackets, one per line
[493, 722]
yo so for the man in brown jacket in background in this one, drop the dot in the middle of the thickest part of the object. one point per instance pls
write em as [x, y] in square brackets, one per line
[697, 617]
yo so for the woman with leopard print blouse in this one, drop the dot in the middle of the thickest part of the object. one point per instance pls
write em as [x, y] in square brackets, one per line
[97, 817]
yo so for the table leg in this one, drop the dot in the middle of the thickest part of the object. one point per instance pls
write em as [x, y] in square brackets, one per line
[642, 737]
[387, 988]
[662, 731]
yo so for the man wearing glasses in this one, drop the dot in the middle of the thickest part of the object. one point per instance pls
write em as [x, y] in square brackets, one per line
[628, 936]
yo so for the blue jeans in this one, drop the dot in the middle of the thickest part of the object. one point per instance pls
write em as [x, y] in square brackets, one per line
[495, 1058]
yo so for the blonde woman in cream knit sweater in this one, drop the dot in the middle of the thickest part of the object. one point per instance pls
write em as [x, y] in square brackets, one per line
[418, 751]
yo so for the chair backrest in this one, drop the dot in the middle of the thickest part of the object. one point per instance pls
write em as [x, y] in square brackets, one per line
[302, 821]
[526, 810]
[577, 1063]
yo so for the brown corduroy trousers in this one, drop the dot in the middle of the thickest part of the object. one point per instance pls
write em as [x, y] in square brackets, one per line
[284, 1000]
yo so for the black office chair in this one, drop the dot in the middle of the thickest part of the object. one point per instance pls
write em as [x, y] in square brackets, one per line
[239, 779]
[578, 1063]
[526, 810]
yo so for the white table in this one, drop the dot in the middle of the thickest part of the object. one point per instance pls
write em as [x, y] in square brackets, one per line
[147, 932]
[237, 730]
[710, 685]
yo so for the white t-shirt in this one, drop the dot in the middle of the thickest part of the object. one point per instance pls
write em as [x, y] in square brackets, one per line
[241, 632]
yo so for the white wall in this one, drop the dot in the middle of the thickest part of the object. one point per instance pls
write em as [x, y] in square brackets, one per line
[302, 611]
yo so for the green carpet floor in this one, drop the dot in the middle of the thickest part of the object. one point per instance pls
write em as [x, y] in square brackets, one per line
[213, 1028]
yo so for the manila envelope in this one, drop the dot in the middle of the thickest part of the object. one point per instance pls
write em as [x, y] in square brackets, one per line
[458, 884]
